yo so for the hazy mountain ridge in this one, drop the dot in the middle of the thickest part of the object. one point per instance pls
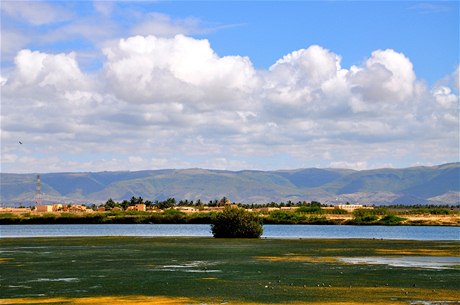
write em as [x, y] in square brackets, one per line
[422, 185]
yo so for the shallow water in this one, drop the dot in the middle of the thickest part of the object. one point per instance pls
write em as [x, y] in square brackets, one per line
[270, 231]
[426, 262]
[191, 267]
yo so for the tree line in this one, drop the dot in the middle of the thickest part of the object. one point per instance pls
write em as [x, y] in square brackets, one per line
[304, 206]
[172, 202]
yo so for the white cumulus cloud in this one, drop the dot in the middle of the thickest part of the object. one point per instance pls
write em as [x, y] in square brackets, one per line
[173, 101]
[387, 76]
[151, 70]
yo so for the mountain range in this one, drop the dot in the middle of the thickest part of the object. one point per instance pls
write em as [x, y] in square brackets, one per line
[415, 185]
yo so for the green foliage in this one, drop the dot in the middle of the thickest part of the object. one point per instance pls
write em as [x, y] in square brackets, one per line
[363, 217]
[379, 211]
[115, 213]
[110, 204]
[285, 217]
[167, 204]
[310, 210]
[364, 220]
[7, 215]
[172, 212]
[439, 212]
[389, 220]
[201, 218]
[318, 220]
[428, 210]
[135, 213]
[371, 216]
[294, 217]
[337, 211]
[360, 213]
[236, 223]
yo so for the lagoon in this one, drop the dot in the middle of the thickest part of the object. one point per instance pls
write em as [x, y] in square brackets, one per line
[270, 231]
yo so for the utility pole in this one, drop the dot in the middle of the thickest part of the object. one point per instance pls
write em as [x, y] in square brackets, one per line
[38, 193]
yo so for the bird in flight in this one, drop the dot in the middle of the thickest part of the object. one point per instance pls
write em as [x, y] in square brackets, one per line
[20, 142]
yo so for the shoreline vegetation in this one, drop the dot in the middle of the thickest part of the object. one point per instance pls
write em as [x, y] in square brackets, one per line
[138, 211]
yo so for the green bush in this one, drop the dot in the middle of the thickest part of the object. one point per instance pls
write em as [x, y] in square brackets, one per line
[439, 212]
[368, 218]
[201, 218]
[363, 217]
[172, 212]
[310, 210]
[391, 220]
[337, 211]
[236, 223]
[318, 220]
[7, 215]
[285, 217]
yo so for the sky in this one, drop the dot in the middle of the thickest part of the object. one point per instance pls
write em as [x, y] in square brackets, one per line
[264, 85]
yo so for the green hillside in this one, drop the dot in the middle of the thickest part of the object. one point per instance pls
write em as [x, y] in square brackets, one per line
[423, 185]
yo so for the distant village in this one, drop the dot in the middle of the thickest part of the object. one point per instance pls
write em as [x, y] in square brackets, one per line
[170, 204]
[138, 210]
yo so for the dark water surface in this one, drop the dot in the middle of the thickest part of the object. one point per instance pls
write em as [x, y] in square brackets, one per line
[270, 231]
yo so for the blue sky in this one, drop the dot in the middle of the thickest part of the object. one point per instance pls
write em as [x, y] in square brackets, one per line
[277, 84]
[266, 30]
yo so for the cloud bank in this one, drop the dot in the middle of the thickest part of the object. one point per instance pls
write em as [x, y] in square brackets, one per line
[173, 102]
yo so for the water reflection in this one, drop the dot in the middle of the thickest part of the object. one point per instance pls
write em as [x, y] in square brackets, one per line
[270, 231]
[426, 262]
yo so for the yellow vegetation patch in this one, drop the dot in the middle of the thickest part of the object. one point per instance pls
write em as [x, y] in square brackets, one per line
[434, 219]
[347, 296]
[375, 295]
[123, 300]
[34, 301]
[304, 303]
[424, 252]
[4, 259]
[298, 258]
[209, 278]
[381, 292]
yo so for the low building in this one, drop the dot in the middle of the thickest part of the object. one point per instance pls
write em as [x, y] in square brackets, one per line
[267, 209]
[44, 208]
[187, 209]
[352, 207]
[212, 209]
[141, 207]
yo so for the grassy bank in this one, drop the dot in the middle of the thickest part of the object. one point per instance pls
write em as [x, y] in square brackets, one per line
[128, 270]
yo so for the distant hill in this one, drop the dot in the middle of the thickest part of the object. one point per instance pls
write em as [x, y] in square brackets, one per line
[415, 185]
